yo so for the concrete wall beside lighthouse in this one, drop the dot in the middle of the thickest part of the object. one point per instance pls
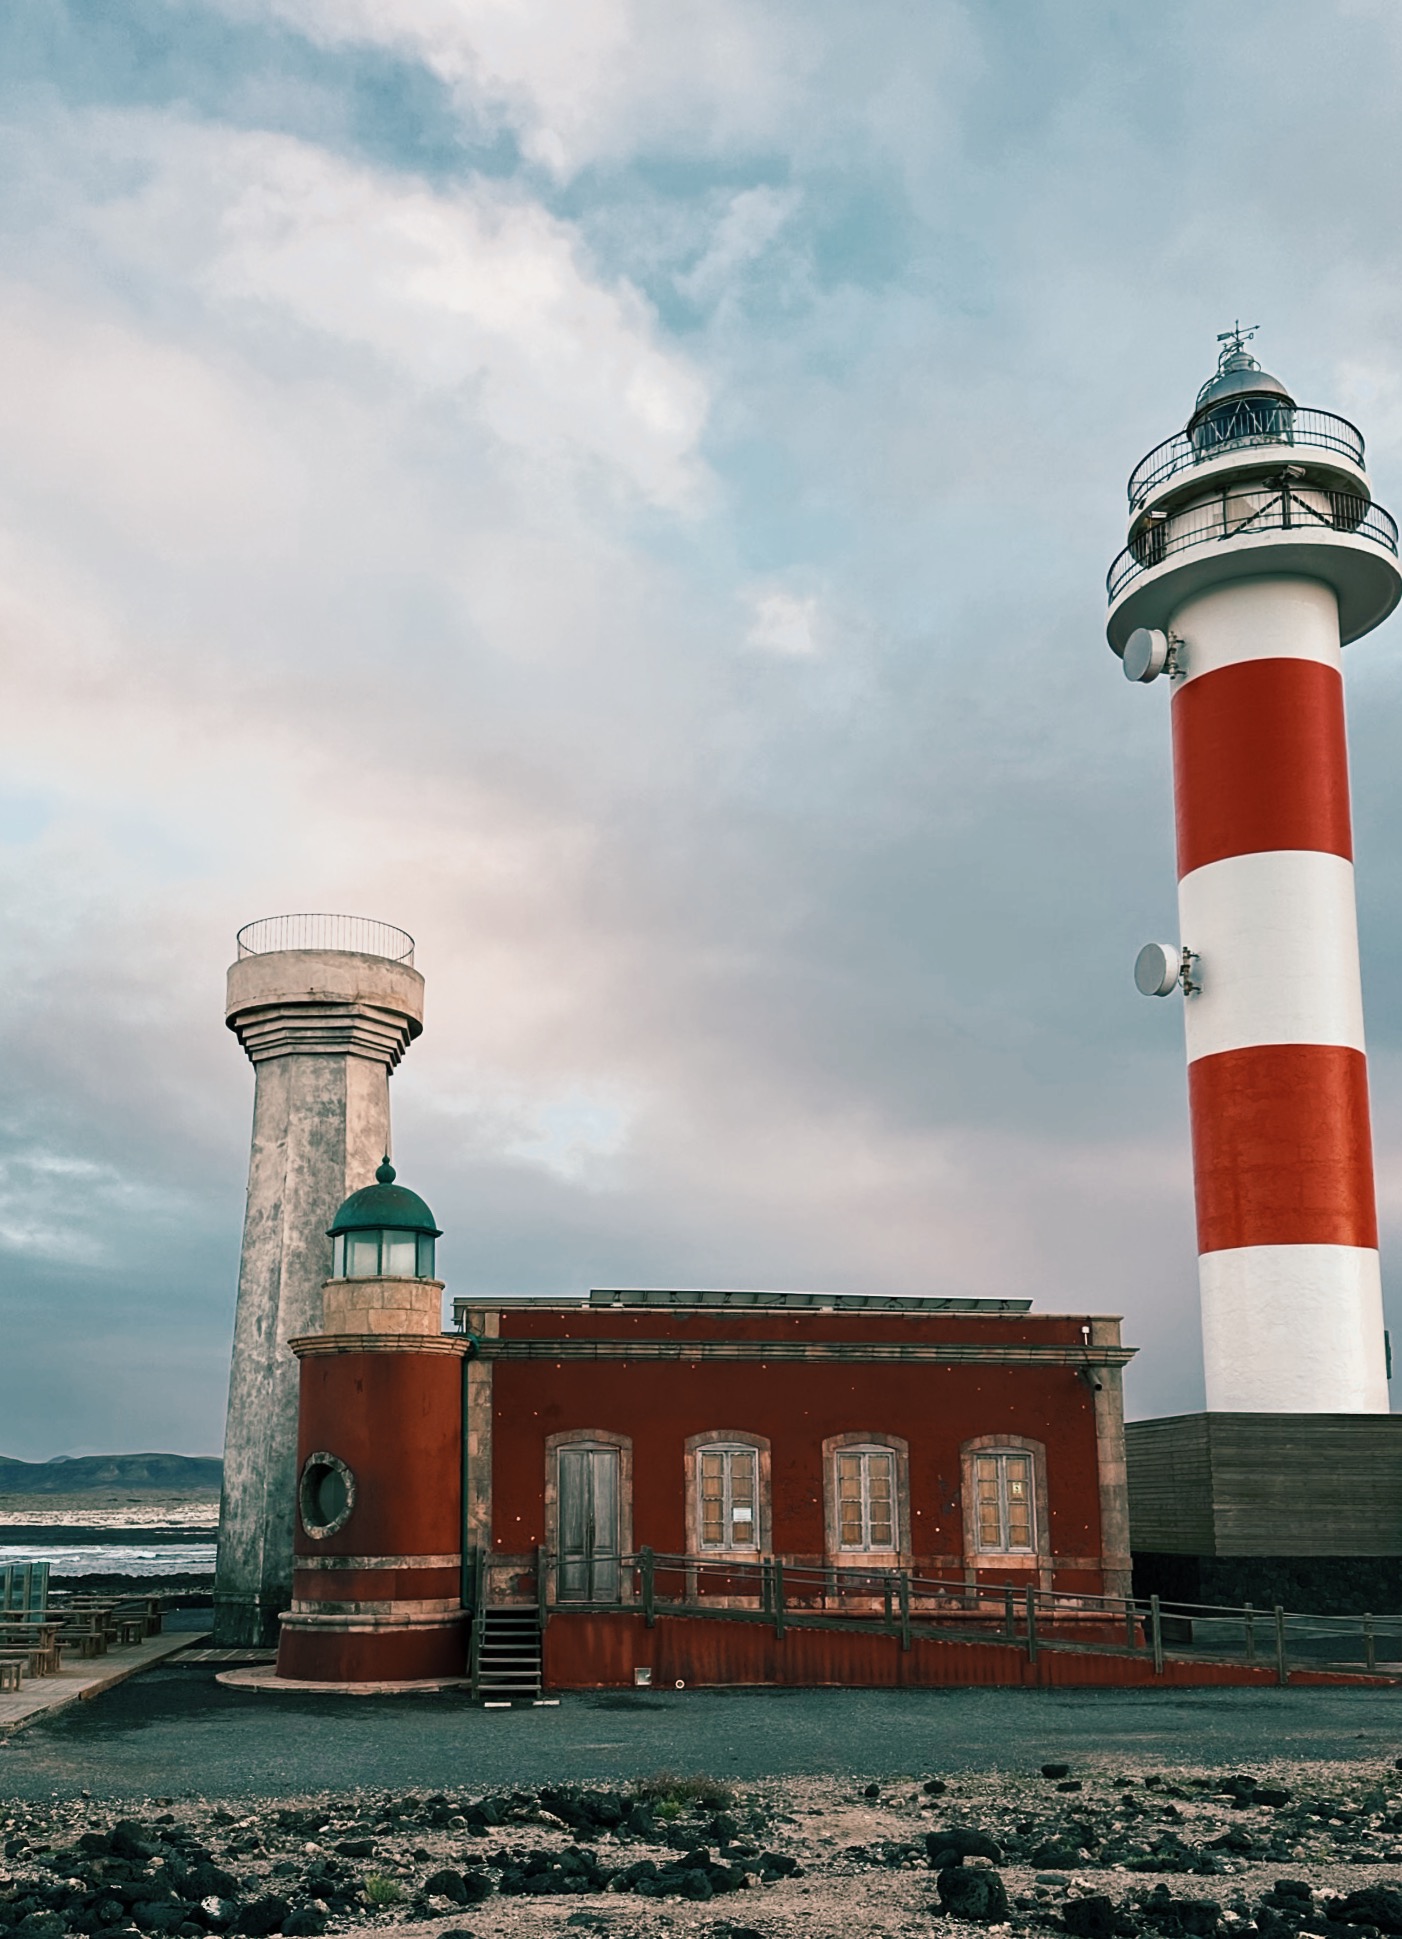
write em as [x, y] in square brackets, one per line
[323, 1027]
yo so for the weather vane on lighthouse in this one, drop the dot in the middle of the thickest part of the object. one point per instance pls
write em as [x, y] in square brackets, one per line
[1236, 338]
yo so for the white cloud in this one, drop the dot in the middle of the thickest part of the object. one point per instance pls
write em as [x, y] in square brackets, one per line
[570, 1135]
[784, 623]
[585, 81]
[475, 294]
[751, 221]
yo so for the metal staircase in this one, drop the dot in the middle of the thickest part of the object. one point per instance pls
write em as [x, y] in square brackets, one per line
[506, 1661]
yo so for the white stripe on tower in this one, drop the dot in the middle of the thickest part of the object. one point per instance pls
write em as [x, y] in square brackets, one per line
[1282, 1150]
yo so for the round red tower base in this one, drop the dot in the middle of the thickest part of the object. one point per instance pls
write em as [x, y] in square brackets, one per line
[362, 1649]
[377, 1564]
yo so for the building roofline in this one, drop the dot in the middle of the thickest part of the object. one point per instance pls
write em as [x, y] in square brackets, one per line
[732, 1299]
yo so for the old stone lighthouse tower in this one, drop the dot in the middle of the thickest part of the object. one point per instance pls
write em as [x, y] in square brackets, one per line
[325, 1007]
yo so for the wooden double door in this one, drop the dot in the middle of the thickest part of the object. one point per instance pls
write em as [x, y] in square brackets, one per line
[590, 1520]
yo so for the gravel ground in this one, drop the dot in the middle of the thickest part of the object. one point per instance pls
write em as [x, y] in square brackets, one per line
[1108, 1848]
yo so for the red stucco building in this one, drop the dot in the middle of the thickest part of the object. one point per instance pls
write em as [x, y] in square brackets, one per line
[872, 1448]
[534, 1491]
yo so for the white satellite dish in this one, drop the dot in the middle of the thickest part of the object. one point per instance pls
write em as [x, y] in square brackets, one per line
[1157, 968]
[1145, 654]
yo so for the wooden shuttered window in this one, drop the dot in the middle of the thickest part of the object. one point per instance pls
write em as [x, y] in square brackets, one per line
[728, 1478]
[1007, 1522]
[866, 1499]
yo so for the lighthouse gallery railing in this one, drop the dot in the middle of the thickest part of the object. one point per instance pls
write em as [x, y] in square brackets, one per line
[1321, 430]
[1241, 514]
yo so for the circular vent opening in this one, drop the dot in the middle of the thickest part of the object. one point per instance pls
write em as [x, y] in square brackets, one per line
[326, 1495]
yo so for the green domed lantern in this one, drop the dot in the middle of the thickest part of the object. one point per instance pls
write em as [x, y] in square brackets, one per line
[383, 1231]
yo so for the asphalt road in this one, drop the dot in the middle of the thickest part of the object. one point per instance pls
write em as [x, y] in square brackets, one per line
[175, 1732]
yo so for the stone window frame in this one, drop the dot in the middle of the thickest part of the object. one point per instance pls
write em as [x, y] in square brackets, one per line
[1039, 1555]
[593, 1437]
[896, 1558]
[733, 1437]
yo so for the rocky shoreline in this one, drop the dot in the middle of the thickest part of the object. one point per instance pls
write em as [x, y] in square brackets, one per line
[1117, 1853]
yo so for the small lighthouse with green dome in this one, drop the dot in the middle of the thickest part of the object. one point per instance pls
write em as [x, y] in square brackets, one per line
[377, 1545]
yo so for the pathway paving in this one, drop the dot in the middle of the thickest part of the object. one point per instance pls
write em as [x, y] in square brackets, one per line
[39, 1696]
[178, 1732]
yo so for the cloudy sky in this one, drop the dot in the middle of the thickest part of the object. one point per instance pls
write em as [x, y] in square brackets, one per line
[624, 491]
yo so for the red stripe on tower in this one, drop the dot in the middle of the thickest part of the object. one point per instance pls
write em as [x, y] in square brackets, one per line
[1282, 1151]
[1260, 762]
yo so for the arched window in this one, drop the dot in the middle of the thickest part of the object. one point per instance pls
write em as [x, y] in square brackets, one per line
[1005, 1495]
[1004, 1502]
[866, 1499]
[727, 1493]
[728, 1498]
[867, 1486]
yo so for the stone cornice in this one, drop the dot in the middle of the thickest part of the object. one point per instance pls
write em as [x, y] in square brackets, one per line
[327, 1029]
[929, 1352]
[311, 1345]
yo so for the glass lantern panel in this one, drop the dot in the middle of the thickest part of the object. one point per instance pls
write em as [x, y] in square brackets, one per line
[362, 1255]
[399, 1255]
[338, 1256]
[425, 1255]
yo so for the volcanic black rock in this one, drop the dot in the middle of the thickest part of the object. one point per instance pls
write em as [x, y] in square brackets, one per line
[1372, 1905]
[1089, 1918]
[956, 1842]
[966, 1893]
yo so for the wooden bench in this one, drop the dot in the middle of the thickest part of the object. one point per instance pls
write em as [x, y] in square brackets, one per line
[84, 1630]
[37, 1641]
[150, 1610]
[12, 1667]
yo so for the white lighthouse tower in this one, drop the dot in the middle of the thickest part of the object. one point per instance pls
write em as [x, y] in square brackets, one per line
[1255, 552]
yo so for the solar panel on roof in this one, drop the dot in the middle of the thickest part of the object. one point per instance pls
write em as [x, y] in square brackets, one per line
[742, 1298]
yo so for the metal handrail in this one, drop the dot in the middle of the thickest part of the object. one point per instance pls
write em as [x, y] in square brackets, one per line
[818, 1585]
[1242, 514]
[908, 1606]
[1322, 429]
[359, 935]
[476, 1572]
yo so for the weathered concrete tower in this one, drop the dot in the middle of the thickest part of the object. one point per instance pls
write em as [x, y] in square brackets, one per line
[325, 1007]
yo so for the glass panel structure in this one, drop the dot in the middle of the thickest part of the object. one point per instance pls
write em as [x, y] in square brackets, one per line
[1003, 1485]
[372, 1254]
[362, 1255]
[729, 1503]
[398, 1255]
[866, 1499]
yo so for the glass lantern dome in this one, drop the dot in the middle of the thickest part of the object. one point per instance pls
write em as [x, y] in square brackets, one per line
[1240, 404]
[383, 1231]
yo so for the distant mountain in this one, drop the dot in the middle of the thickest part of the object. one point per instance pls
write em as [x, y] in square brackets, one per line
[92, 1473]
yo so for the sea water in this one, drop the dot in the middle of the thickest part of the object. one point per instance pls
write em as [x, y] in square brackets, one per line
[126, 1558]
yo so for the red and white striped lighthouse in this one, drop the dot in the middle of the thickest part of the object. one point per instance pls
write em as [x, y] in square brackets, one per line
[1255, 552]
